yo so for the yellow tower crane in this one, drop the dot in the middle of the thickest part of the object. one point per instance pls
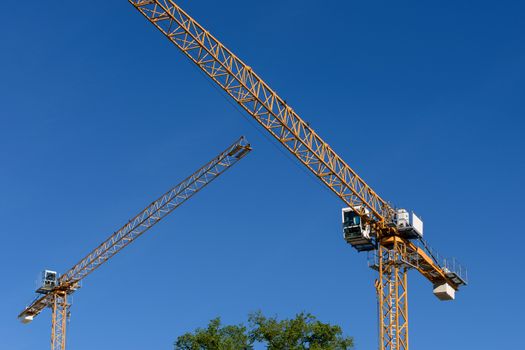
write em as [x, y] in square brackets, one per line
[394, 236]
[55, 290]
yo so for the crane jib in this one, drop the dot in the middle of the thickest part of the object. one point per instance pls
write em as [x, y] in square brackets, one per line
[142, 222]
[271, 111]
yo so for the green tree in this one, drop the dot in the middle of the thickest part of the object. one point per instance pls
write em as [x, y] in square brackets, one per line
[215, 337]
[304, 332]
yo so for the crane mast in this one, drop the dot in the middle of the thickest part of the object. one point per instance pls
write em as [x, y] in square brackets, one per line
[395, 253]
[56, 297]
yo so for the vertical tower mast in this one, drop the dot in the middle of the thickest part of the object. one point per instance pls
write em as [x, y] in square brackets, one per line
[59, 318]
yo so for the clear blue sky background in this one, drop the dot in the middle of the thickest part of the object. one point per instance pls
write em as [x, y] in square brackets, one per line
[100, 115]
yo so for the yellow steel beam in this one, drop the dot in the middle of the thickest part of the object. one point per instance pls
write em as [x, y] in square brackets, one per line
[271, 111]
[60, 310]
[392, 296]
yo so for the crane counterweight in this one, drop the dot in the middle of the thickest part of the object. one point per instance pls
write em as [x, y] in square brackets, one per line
[444, 292]
[26, 319]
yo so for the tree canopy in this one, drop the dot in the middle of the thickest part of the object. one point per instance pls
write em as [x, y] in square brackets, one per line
[304, 332]
[216, 337]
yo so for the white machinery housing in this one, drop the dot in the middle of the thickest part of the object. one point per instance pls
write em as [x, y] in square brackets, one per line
[48, 282]
[408, 224]
[357, 232]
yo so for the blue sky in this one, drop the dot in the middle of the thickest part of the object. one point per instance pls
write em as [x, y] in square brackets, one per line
[100, 115]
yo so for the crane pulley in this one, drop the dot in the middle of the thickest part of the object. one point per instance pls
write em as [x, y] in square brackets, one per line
[56, 290]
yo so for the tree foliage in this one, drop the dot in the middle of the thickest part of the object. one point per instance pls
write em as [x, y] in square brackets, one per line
[300, 333]
[215, 337]
[304, 332]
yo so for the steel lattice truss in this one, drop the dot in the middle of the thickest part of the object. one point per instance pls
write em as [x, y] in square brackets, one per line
[263, 104]
[60, 307]
[140, 224]
[392, 296]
